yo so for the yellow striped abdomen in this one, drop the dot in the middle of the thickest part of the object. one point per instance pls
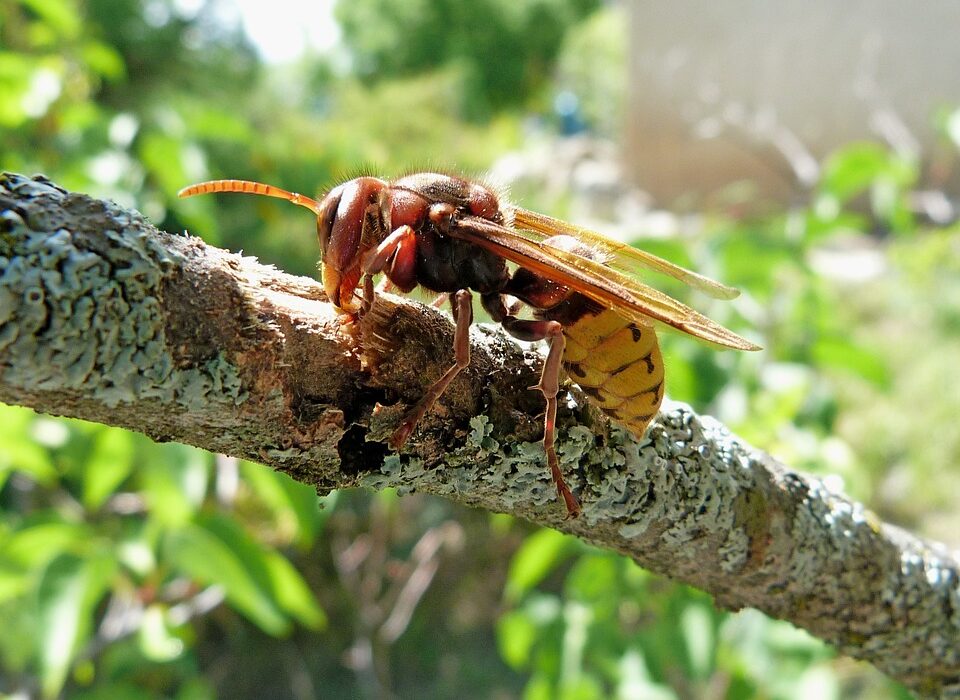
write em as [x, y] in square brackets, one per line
[618, 364]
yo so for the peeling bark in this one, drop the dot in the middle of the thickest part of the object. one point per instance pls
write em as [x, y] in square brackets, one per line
[102, 317]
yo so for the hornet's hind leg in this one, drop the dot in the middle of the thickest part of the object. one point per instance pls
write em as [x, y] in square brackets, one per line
[549, 385]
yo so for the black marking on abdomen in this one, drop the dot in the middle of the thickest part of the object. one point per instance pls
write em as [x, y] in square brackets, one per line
[645, 418]
[655, 390]
[594, 393]
[576, 368]
[648, 358]
[623, 368]
[635, 332]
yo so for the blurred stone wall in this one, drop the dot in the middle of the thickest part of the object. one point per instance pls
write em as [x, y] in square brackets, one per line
[721, 92]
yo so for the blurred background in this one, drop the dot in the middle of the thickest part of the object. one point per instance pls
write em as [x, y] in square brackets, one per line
[808, 157]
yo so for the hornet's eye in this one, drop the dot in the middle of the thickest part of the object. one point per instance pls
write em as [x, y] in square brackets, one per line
[326, 216]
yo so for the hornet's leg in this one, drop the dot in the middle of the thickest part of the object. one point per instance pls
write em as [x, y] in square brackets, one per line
[549, 385]
[368, 294]
[397, 257]
[463, 315]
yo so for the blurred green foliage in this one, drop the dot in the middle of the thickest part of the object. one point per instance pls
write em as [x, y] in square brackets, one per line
[130, 569]
[101, 525]
[503, 49]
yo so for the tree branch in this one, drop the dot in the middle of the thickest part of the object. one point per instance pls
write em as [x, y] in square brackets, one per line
[103, 317]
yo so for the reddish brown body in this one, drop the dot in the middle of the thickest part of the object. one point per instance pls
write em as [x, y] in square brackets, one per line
[452, 236]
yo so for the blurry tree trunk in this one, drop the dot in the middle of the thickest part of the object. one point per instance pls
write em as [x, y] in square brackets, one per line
[102, 317]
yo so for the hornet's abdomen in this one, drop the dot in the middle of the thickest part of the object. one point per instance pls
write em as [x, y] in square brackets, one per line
[618, 364]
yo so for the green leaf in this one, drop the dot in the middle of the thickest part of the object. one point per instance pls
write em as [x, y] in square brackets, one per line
[67, 596]
[163, 156]
[209, 122]
[292, 592]
[539, 688]
[594, 578]
[539, 554]
[109, 464]
[274, 574]
[62, 15]
[116, 690]
[697, 625]
[851, 170]
[34, 546]
[516, 633]
[208, 559]
[294, 506]
[104, 60]
[841, 353]
[196, 688]
[13, 583]
[156, 640]
[826, 219]
[19, 451]
[174, 482]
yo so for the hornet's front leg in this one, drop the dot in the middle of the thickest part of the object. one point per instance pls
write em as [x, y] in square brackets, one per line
[396, 257]
[462, 302]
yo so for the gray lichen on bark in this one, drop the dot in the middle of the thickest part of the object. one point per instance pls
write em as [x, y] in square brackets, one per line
[105, 318]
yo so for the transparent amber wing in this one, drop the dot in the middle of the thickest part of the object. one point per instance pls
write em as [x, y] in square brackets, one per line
[605, 285]
[620, 255]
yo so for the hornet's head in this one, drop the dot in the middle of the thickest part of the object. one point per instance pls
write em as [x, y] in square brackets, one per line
[350, 222]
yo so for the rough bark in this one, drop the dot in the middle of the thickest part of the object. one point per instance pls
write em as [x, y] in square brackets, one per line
[105, 318]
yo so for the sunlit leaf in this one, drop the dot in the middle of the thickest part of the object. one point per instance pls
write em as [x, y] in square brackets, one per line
[853, 168]
[62, 15]
[69, 590]
[174, 482]
[162, 155]
[842, 353]
[156, 640]
[13, 583]
[110, 462]
[104, 60]
[539, 687]
[593, 577]
[18, 452]
[34, 545]
[294, 506]
[817, 682]
[540, 553]
[516, 633]
[208, 559]
[698, 633]
[292, 593]
[271, 571]
[15, 73]
[635, 682]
